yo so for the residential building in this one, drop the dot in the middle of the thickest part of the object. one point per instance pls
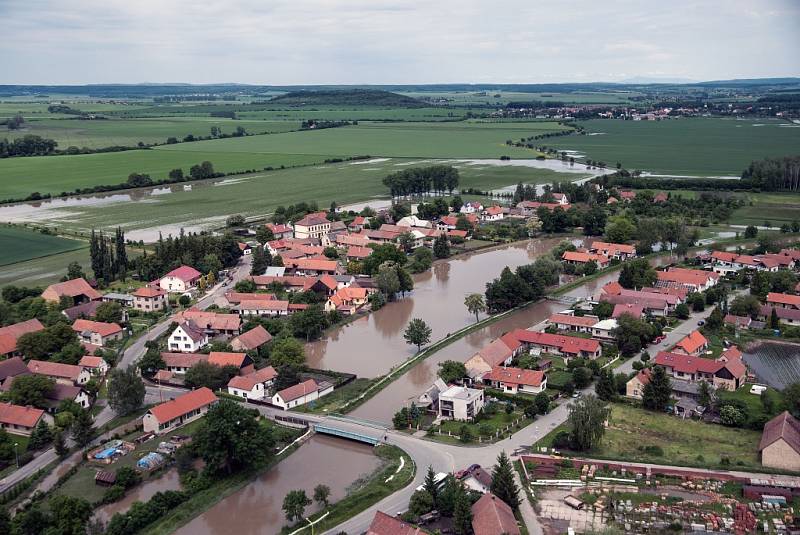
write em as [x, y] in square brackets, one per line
[301, 393]
[65, 374]
[265, 308]
[312, 226]
[309, 267]
[780, 443]
[84, 310]
[604, 330]
[11, 333]
[187, 338]
[78, 290]
[561, 198]
[780, 300]
[96, 365]
[694, 280]
[496, 353]
[97, 332]
[253, 386]
[347, 300]
[568, 322]
[634, 388]
[634, 310]
[581, 257]
[471, 208]
[492, 213]
[516, 380]
[722, 373]
[627, 196]
[652, 303]
[213, 324]
[493, 516]
[20, 420]
[356, 253]
[238, 360]
[430, 398]
[183, 409]
[478, 480]
[613, 250]
[62, 392]
[280, 231]
[414, 221]
[383, 524]
[251, 340]
[124, 300]
[692, 344]
[180, 280]
[787, 316]
[739, 322]
[149, 299]
[557, 344]
[180, 363]
[10, 368]
[460, 403]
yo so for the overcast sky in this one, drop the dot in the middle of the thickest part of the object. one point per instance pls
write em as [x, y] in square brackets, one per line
[395, 41]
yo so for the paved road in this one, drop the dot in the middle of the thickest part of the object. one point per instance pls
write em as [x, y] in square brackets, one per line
[129, 356]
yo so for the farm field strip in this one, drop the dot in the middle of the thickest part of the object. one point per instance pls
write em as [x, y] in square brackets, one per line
[19, 244]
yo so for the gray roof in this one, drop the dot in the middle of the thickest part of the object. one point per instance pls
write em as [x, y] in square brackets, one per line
[118, 296]
[275, 271]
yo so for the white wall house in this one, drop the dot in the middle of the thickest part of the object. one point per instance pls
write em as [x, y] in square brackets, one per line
[460, 403]
[300, 394]
[253, 385]
[187, 338]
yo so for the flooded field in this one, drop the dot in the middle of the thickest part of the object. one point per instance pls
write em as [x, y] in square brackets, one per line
[169, 481]
[776, 364]
[256, 509]
[372, 345]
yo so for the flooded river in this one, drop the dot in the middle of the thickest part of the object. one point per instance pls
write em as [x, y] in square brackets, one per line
[372, 345]
[169, 481]
[256, 509]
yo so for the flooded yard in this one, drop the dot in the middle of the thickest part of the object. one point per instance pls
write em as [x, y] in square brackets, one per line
[776, 364]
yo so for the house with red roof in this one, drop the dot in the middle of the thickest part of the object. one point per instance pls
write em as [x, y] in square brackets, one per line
[627, 196]
[212, 323]
[383, 524]
[498, 352]
[660, 197]
[252, 339]
[692, 344]
[254, 385]
[569, 322]
[471, 207]
[787, 316]
[780, 300]
[301, 393]
[20, 420]
[780, 443]
[78, 290]
[619, 251]
[11, 333]
[561, 198]
[356, 253]
[264, 308]
[727, 374]
[516, 380]
[314, 225]
[280, 231]
[241, 361]
[180, 411]
[582, 257]
[695, 280]
[492, 213]
[180, 363]
[655, 304]
[556, 344]
[634, 388]
[347, 300]
[635, 310]
[65, 374]
[96, 365]
[309, 267]
[493, 516]
[738, 322]
[358, 223]
[187, 337]
[180, 280]
[149, 299]
[97, 332]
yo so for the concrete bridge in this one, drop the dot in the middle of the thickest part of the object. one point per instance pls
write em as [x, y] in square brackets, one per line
[367, 437]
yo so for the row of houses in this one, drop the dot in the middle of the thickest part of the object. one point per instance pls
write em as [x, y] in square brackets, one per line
[724, 262]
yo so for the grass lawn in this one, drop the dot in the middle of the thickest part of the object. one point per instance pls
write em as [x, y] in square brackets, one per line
[487, 428]
[43, 271]
[754, 404]
[692, 146]
[18, 244]
[334, 401]
[633, 432]
[775, 208]
[22, 446]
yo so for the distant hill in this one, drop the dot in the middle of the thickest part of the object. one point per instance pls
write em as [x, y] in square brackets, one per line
[347, 97]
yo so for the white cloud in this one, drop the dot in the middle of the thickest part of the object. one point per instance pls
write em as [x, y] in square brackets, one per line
[380, 41]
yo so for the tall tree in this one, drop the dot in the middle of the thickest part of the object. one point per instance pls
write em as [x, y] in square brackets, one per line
[260, 262]
[294, 504]
[122, 254]
[586, 418]
[82, 428]
[321, 494]
[417, 333]
[503, 485]
[475, 304]
[125, 390]
[637, 273]
[605, 387]
[462, 512]
[441, 246]
[657, 392]
[430, 484]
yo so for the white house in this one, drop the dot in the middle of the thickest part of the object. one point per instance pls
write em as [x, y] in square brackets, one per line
[179, 411]
[493, 213]
[516, 380]
[301, 393]
[460, 403]
[471, 208]
[180, 280]
[253, 385]
[187, 338]
[95, 365]
[561, 198]
[65, 374]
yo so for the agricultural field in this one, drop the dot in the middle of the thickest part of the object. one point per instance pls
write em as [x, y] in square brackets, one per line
[54, 174]
[694, 147]
[775, 208]
[129, 132]
[18, 244]
[463, 98]
[44, 270]
[208, 203]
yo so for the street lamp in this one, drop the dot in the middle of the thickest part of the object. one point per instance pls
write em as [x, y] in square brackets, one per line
[16, 455]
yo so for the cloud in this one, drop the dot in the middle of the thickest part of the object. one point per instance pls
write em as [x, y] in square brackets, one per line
[388, 41]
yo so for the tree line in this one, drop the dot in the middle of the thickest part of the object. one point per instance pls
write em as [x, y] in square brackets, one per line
[421, 180]
[109, 257]
[774, 174]
[203, 251]
[27, 145]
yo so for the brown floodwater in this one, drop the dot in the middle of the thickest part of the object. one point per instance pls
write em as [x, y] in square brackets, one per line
[256, 509]
[374, 344]
[170, 480]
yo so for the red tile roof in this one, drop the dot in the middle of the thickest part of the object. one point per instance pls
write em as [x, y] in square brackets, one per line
[627, 308]
[613, 288]
[724, 256]
[494, 210]
[99, 327]
[784, 426]
[694, 277]
[90, 361]
[355, 251]
[184, 273]
[183, 360]
[577, 321]
[255, 337]
[784, 299]
[298, 390]
[10, 334]
[54, 369]
[70, 288]
[578, 256]
[210, 320]
[383, 524]
[565, 344]
[497, 352]
[237, 297]
[612, 248]
[493, 516]
[515, 376]
[273, 305]
[687, 363]
[19, 415]
[183, 404]
[247, 382]
[224, 358]
[692, 342]
[311, 220]
[147, 292]
[311, 264]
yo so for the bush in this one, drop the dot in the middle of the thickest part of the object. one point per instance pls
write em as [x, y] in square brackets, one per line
[561, 440]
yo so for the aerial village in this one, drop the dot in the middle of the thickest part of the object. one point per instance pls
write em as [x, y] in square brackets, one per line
[539, 420]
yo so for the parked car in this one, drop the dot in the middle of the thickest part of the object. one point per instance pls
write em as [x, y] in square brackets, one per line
[701, 322]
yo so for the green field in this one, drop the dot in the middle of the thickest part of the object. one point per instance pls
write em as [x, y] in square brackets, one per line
[18, 245]
[43, 271]
[209, 202]
[129, 132]
[777, 208]
[700, 146]
[55, 174]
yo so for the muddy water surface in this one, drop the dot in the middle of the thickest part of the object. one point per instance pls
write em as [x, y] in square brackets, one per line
[169, 481]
